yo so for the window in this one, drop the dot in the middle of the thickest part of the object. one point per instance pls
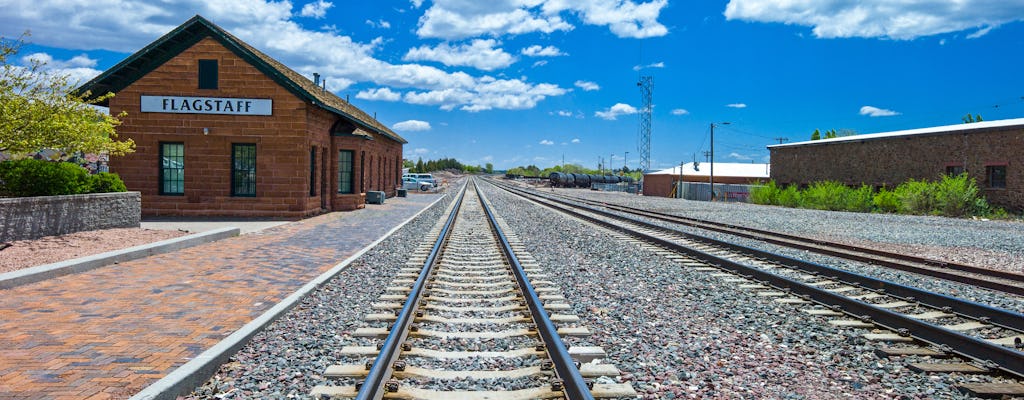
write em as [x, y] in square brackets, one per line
[344, 171]
[243, 169]
[954, 170]
[207, 74]
[996, 175]
[172, 168]
[312, 171]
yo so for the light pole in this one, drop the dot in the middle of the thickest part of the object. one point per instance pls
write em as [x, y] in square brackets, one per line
[712, 173]
[625, 163]
[611, 160]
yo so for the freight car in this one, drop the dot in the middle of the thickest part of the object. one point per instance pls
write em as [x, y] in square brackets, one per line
[564, 180]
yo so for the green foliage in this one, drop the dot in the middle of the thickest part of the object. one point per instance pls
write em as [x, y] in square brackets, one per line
[30, 177]
[489, 168]
[916, 197]
[767, 194]
[105, 182]
[828, 195]
[860, 199]
[790, 197]
[816, 135]
[886, 201]
[41, 111]
[971, 119]
[956, 196]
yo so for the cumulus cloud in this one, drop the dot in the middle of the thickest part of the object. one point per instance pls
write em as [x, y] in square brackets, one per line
[574, 141]
[546, 142]
[381, 94]
[79, 69]
[613, 112]
[680, 111]
[316, 10]
[737, 105]
[411, 125]
[891, 19]
[379, 24]
[738, 156]
[587, 86]
[877, 112]
[479, 54]
[268, 26]
[456, 19]
[540, 51]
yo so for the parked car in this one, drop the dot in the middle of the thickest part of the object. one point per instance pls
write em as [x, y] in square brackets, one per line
[410, 183]
[423, 178]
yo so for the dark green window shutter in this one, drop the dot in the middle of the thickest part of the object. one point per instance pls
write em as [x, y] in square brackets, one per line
[207, 74]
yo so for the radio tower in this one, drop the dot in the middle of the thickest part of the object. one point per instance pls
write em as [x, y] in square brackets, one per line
[646, 85]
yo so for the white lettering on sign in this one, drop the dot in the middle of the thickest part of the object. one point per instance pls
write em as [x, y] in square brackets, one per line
[206, 105]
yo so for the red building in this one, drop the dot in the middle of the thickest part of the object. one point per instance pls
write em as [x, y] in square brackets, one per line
[222, 129]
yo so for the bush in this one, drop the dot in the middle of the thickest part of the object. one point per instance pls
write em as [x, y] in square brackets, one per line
[887, 201]
[105, 182]
[767, 194]
[916, 197]
[30, 177]
[860, 199]
[789, 197]
[828, 195]
[957, 196]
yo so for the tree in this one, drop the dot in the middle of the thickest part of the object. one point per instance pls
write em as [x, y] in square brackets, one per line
[831, 133]
[489, 168]
[419, 165]
[408, 164]
[816, 135]
[969, 119]
[41, 111]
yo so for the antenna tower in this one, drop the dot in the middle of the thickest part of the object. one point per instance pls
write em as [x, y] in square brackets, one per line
[646, 85]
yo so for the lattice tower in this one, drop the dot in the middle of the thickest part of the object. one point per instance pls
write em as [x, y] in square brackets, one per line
[646, 85]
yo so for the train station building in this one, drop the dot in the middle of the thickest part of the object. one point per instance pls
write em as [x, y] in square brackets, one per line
[991, 152]
[222, 129]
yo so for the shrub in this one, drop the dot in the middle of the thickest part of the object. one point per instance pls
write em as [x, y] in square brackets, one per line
[105, 182]
[828, 195]
[789, 197]
[860, 199]
[31, 177]
[887, 201]
[916, 197]
[766, 195]
[956, 196]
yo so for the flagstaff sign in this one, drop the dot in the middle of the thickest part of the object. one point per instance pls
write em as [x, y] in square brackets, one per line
[206, 105]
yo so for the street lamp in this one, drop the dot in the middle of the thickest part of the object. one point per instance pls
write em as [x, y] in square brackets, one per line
[713, 158]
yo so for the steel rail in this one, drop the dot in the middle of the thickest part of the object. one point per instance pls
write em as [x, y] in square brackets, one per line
[841, 250]
[574, 387]
[381, 369]
[1007, 359]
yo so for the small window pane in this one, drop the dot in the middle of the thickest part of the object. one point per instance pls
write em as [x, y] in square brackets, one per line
[207, 74]
[996, 176]
[344, 171]
[243, 170]
[954, 170]
[172, 168]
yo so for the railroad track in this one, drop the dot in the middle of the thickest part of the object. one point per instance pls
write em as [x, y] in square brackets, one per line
[1003, 281]
[928, 328]
[472, 316]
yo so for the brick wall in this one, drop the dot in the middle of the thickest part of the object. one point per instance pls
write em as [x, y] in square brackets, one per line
[891, 161]
[33, 217]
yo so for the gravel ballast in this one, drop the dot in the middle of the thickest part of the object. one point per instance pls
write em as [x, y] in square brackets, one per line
[673, 331]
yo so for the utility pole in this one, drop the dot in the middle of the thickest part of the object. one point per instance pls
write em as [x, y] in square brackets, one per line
[625, 164]
[782, 139]
[707, 156]
[712, 173]
[679, 186]
[611, 163]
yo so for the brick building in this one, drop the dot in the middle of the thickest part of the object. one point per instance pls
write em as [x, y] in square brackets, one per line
[661, 183]
[222, 129]
[991, 152]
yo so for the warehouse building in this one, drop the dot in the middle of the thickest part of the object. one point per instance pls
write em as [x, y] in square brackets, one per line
[698, 175]
[222, 129]
[991, 152]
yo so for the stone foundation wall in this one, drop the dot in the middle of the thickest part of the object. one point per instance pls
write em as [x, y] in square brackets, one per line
[33, 217]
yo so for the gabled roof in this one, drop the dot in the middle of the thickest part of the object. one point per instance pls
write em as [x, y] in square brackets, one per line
[197, 28]
[935, 130]
[737, 170]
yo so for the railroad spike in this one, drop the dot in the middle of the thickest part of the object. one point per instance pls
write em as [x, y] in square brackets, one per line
[391, 386]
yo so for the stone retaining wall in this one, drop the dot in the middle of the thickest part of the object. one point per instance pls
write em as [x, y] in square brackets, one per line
[33, 217]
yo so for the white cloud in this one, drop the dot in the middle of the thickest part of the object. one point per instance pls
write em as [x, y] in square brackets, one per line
[379, 24]
[316, 10]
[381, 94]
[659, 64]
[420, 151]
[79, 69]
[738, 156]
[680, 111]
[615, 111]
[540, 63]
[587, 86]
[564, 113]
[546, 142]
[892, 19]
[456, 19]
[877, 112]
[411, 125]
[479, 54]
[539, 51]
[737, 105]
[574, 141]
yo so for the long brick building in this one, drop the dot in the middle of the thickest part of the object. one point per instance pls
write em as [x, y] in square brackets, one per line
[991, 152]
[222, 129]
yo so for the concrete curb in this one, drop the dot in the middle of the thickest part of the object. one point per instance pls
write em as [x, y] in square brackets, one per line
[82, 264]
[199, 369]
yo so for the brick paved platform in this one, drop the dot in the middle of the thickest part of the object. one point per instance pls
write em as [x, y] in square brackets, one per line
[110, 332]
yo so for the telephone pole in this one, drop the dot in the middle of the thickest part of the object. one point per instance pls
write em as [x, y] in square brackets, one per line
[782, 139]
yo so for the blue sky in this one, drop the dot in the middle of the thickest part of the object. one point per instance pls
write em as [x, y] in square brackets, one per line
[518, 82]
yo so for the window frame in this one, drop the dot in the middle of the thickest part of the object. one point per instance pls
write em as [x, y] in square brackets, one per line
[235, 171]
[349, 174]
[990, 182]
[162, 174]
[208, 74]
[955, 170]
[312, 171]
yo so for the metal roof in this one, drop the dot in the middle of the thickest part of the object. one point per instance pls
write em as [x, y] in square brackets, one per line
[937, 130]
[739, 170]
[198, 28]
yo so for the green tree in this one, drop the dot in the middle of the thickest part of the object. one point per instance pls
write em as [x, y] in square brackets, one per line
[408, 164]
[41, 111]
[831, 133]
[971, 119]
[489, 168]
[419, 165]
[816, 135]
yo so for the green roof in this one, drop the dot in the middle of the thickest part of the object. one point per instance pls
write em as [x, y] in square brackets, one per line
[198, 28]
